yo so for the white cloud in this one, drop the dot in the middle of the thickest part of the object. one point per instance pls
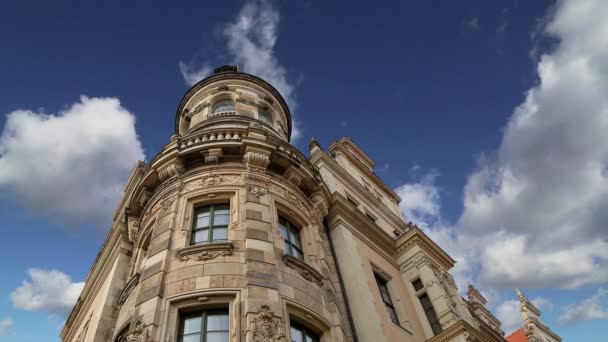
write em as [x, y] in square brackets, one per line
[5, 327]
[543, 197]
[472, 23]
[595, 307]
[539, 203]
[47, 290]
[250, 41]
[71, 166]
[192, 73]
[420, 200]
[509, 313]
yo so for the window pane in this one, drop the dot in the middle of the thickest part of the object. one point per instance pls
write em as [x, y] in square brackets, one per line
[393, 314]
[386, 298]
[217, 336]
[221, 209]
[220, 234]
[418, 284]
[296, 335]
[217, 322]
[192, 325]
[263, 116]
[201, 235]
[298, 254]
[310, 338]
[223, 106]
[283, 231]
[202, 221]
[192, 338]
[295, 238]
[221, 220]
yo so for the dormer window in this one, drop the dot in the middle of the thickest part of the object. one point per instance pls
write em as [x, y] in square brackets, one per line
[223, 106]
[264, 117]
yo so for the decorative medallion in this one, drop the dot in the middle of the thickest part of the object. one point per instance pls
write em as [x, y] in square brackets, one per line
[265, 327]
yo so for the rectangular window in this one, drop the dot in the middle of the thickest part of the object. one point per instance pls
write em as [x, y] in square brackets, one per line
[291, 234]
[205, 326]
[417, 284]
[301, 334]
[386, 298]
[211, 224]
[431, 315]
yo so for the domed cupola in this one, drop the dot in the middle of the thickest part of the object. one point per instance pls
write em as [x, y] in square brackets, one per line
[230, 98]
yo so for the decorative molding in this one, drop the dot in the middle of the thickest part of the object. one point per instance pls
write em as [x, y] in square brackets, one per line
[133, 231]
[139, 333]
[128, 288]
[173, 168]
[255, 179]
[265, 327]
[212, 156]
[256, 190]
[459, 328]
[206, 251]
[415, 237]
[288, 195]
[144, 196]
[256, 160]
[305, 270]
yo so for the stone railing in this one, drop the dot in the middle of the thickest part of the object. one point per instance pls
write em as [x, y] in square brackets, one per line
[207, 137]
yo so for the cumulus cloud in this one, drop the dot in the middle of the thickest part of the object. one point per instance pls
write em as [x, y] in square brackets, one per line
[539, 202]
[420, 200]
[49, 291]
[543, 196]
[472, 23]
[595, 307]
[5, 327]
[250, 42]
[509, 313]
[73, 165]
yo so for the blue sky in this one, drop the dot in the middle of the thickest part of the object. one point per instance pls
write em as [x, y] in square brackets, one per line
[487, 118]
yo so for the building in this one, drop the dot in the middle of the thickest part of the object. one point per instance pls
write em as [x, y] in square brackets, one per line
[232, 234]
[534, 330]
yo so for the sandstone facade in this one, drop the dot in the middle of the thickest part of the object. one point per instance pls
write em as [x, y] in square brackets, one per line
[232, 234]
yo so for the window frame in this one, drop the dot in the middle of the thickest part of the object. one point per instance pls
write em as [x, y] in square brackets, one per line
[435, 324]
[263, 113]
[304, 331]
[291, 230]
[211, 226]
[219, 103]
[203, 315]
[387, 299]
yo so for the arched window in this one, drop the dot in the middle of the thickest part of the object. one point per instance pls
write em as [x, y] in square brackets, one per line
[264, 117]
[299, 333]
[223, 106]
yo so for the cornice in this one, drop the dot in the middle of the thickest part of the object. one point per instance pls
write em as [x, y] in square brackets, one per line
[342, 211]
[459, 328]
[350, 181]
[416, 237]
[365, 170]
[94, 280]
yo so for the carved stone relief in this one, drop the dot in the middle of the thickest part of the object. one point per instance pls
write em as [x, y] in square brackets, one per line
[139, 333]
[265, 327]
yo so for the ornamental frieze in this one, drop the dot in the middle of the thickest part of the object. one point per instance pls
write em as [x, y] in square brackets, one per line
[205, 252]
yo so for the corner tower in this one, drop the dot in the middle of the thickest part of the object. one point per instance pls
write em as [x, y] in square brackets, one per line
[220, 236]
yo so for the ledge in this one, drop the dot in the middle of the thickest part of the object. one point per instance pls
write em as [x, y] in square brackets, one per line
[305, 270]
[205, 251]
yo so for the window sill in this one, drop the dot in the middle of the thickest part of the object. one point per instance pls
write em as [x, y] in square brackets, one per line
[205, 251]
[305, 270]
